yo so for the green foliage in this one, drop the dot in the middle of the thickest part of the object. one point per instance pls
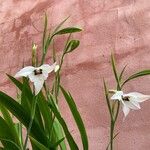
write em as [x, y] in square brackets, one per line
[73, 44]
[39, 114]
[73, 108]
[137, 75]
[69, 137]
[114, 106]
[68, 30]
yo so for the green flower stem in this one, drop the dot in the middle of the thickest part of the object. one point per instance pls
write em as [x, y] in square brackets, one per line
[117, 112]
[112, 134]
[30, 123]
[46, 48]
[114, 109]
[57, 77]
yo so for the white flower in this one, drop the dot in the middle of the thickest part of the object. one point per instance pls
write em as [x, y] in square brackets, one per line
[37, 75]
[130, 100]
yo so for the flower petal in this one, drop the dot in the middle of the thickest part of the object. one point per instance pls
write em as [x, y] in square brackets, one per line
[138, 97]
[38, 86]
[45, 75]
[117, 96]
[126, 110]
[47, 68]
[25, 71]
[34, 78]
[136, 104]
[132, 105]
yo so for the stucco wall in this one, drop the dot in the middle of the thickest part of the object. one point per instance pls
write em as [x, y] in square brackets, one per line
[119, 25]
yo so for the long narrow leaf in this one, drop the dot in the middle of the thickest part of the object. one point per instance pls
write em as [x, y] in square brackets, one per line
[122, 72]
[59, 133]
[115, 71]
[9, 121]
[59, 26]
[107, 100]
[24, 117]
[136, 75]
[58, 142]
[9, 144]
[46, 114]
[68, 30]
[16, 82]
[77, 117]
[44, 32]
[69, 137]
[113, 139]
[38, 144]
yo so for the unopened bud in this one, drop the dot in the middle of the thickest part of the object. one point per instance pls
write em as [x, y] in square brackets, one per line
[34, 47]
[56, 68]
[112, 91]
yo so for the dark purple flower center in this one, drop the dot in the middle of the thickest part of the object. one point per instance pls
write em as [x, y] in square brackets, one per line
[125, 98]
[36, 72]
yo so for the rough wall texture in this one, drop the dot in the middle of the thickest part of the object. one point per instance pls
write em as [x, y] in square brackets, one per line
[119, 25]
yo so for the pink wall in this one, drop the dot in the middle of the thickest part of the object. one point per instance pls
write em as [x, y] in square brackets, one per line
[119, 25]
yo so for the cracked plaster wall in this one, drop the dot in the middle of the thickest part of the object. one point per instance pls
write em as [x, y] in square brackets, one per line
[119, 25]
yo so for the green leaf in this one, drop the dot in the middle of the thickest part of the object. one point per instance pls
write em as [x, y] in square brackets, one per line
[58, 27]
[16, 82]
[5, 131]
[68, 30]
[45, 112]
[59, 133]
[115, 71]
[38, 144]
[45, 30]
[77, 117]
[24, 117]
[58, 142]
[26, 97]
[113, 139]
[121, 74]
[6, 135]
[19, 128]
[9, 121]
[107, 99]
[73, 44]
[9, 144]
[27, 100]
[53, 107]
[136, 75]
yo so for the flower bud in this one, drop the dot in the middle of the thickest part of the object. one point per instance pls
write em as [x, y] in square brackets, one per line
[34, 47]
[56, 68]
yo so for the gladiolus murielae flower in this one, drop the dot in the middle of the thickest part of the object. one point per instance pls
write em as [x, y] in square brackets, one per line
[37, 75]
[130, 100]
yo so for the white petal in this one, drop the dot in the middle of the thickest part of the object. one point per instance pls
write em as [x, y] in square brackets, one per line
[138, 97]
[34, 78]
[38, 86]
[132, 105]
[45, 75]
[136, 104]
[25, 71]
[126, 110]
[117, 96]
[47, 68]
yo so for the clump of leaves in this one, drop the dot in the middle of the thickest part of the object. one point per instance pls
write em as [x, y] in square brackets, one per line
[36, 108]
